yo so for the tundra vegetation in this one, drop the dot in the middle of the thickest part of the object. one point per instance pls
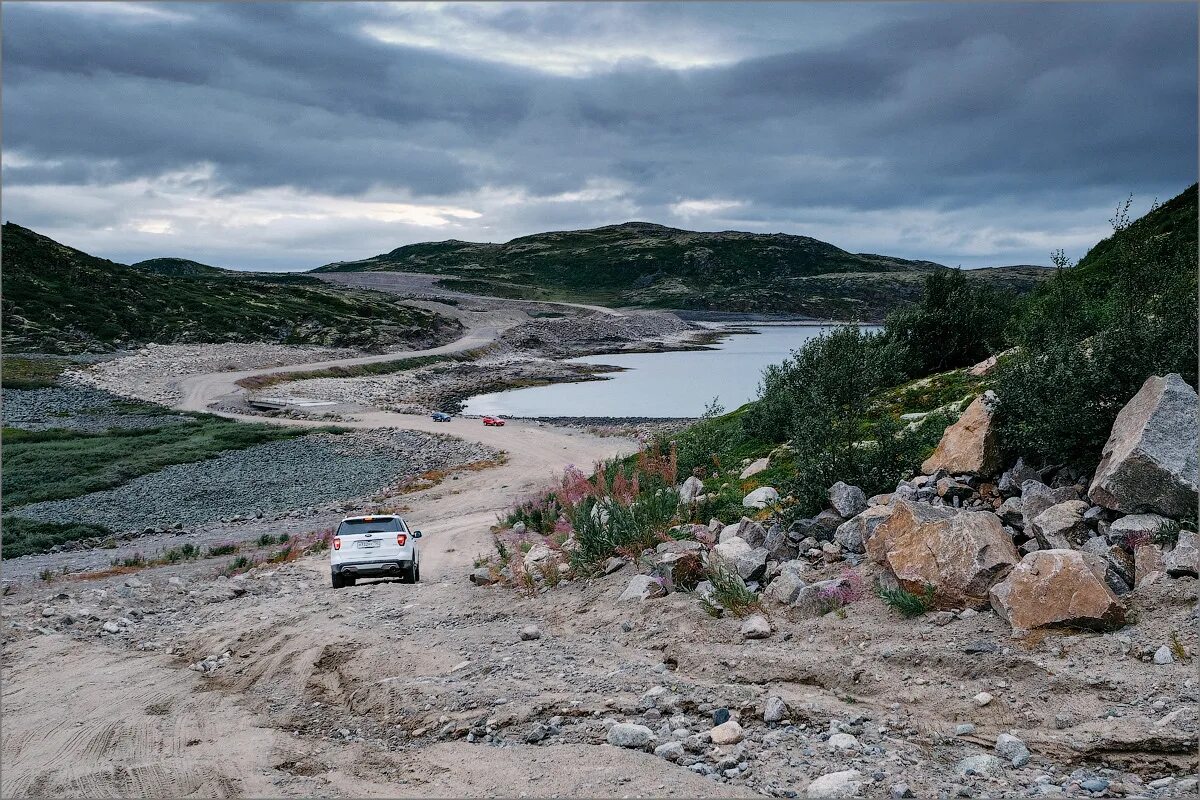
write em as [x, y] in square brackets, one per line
[868, 408]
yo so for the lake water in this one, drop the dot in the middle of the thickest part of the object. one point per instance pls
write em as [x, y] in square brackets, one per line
[677, 384]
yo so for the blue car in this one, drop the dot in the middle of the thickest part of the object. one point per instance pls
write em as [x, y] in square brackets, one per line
[439, 416]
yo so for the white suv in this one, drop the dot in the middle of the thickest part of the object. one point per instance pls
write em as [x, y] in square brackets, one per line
[373, 547]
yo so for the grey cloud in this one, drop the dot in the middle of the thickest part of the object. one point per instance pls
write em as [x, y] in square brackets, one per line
[938, 107]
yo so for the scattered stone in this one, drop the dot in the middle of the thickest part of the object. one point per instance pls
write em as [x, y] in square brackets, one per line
[538, 554]
[836, 785]
[949, 490]
[530, 632]
[982, 765]
[483, 577]
[720, 716]
[775, 710]
[749, 562]
[1012, 750]
[982, 699]
[900, 791]
[756, 626]
[111, 627]
[1184, 557]
[964, 729]
[613, 564]
[761, 497]
[745, 528]
[518, 527]
[847, 500]
[1010, 482]
[727, 733]
[671, 751]
[627, 734]
[754, 468]
[1148, 564]
[1057, 587]
[843, 741]
[1061, 526]
[786, 586]
[969, 445]
[690, 489]
[1163, 655]
[1149, 462]
[641, 588]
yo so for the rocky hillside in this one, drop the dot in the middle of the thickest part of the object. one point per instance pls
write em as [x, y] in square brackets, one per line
[61, 300]
[639, 263]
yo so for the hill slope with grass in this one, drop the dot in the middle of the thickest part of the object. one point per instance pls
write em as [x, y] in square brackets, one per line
[178, 267]
[61, 300]
[643, 264]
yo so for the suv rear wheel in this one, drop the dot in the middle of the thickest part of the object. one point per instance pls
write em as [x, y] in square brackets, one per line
[410, 574]
[337, 581]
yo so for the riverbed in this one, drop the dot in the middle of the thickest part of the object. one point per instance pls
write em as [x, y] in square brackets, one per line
[661, 385]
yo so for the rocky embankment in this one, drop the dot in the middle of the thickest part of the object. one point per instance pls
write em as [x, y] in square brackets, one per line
[1052, 648]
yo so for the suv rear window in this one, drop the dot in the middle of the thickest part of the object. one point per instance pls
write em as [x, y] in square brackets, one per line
[376, 525]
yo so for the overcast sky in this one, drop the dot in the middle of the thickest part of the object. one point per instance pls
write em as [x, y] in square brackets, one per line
[269, 136]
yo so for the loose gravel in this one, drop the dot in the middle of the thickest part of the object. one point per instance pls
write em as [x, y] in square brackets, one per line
[77, 409]
[271, 478]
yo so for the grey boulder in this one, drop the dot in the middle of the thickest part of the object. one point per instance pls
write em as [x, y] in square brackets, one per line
[847, 500]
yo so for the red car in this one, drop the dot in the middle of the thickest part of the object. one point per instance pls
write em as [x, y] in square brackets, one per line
[493, 421]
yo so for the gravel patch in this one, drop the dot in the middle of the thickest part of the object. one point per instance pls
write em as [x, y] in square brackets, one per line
[153, 372]
[280, 476]
[77, 409]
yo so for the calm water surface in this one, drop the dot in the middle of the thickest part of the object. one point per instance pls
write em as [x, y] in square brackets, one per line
[659, 384]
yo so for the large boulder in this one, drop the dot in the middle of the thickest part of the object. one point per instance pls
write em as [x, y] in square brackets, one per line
[1120, 571]
[779, 547]
[1061, 526]
[821, 527]
[690, 489]
[748, 562]
[761, 497]
[960, 553]
[1058, 587]
[847, 500]
[1137, 529]
[1149, 462]
[853, 534]
[969, 445]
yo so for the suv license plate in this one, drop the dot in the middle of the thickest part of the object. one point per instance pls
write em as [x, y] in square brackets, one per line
[373, 543]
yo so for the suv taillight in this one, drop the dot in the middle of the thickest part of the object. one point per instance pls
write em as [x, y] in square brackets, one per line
[401, 539]
[337, 543]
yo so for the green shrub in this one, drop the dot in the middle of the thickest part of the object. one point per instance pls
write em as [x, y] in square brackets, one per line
[1090, 337]
[905, 602]
[958, 322]
[222, 549]
[729, 592]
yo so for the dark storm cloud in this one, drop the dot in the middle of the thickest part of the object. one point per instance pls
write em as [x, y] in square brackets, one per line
[1004, 108]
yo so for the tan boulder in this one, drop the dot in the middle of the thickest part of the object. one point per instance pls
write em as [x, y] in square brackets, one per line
[1148, 564]
[1058, 587]
[960, 553]
[969, 445]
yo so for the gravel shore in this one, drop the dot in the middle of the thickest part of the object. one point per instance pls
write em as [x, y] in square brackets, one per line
[268, 479]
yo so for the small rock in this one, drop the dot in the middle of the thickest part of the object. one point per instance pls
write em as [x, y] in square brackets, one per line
[900, 791]
[964, 729]
[1012, 749]
[627, 734]
[761, 497]
[982, 699]
[756, 627]
[642, 587]
[530, 632]
[848, 501]
[111, 627]
[983, 765]
[1163, 655]
[835, 785]
[775, 710]
[720, 716]
[613, 564]
[671, 751]
[727, 733]
[843, 741]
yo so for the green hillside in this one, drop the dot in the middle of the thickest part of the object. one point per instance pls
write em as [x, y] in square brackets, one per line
[642, 264]
[60, 300]
[178, 267]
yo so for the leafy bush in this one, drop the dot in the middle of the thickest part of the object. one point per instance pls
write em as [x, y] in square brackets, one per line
[700, 445]
[905, 602]
[958, 322]
[222, 549]
[1090, 337]
[729, 592]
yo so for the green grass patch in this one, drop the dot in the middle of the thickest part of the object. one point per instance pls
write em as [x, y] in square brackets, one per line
[24, 537]
[929, 393]
[57, 464]
[31, 373]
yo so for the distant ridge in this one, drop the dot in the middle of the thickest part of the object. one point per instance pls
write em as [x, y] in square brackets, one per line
[646, 264]
[178, 267]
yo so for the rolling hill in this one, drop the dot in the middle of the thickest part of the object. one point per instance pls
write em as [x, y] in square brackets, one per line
[643, 264]
[178, 267]
[61, 300]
